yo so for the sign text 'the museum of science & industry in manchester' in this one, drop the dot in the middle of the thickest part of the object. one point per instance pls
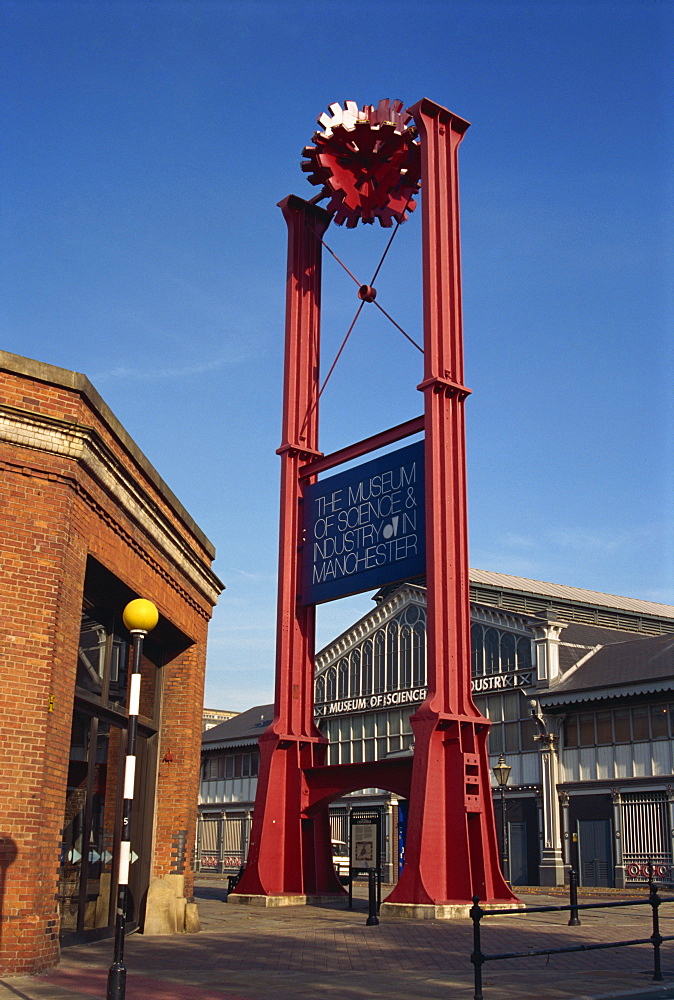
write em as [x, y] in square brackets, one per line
[364, 528]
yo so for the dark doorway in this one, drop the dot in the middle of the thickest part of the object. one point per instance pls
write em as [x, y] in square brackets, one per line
[517, 840]
[594, 852]
[91, 834]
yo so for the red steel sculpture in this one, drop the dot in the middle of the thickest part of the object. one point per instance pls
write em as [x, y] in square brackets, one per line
[370, 163]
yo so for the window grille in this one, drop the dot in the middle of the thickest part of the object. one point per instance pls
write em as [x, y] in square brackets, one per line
[646, 840]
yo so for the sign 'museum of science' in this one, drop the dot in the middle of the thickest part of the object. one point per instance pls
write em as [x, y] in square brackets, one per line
[414, 696]
[365, 527]
[387, 699]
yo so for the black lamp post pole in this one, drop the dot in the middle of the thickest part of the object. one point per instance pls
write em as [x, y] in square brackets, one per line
[505, 852]
[117, 972]
[140, 617]
[502, 773]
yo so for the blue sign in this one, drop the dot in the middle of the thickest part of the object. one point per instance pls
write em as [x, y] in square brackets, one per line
[365, 527]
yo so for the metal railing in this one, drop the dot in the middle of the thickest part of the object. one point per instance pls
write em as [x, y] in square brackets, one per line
[478, 957]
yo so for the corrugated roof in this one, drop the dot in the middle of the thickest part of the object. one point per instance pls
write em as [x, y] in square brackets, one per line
[561, 591]
[594, 635]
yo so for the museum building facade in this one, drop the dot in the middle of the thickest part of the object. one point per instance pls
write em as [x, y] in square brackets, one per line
[579, 689]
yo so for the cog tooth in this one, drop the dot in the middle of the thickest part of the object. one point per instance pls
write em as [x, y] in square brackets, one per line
[315, 179]
[385, 218]
[325, 121]
[345, 117]
[340, 216]
[350, 115]
[396, 115]
[382, 110]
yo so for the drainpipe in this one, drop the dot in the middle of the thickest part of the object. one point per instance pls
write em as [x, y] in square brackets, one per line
[566, 835]
[619, 868]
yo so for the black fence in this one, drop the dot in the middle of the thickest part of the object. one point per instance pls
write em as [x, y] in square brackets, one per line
[478, 957]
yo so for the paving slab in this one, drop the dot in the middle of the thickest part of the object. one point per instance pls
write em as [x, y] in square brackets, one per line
[320, 952]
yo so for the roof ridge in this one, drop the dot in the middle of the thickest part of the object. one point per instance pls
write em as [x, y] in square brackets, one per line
[565, 591]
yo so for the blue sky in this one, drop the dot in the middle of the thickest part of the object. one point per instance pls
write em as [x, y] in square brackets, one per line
[143, 149]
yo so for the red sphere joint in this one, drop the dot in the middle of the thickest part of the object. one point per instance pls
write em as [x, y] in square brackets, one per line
[367, 293]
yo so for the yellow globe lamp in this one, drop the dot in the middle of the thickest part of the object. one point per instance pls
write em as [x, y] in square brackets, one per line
[140, 615]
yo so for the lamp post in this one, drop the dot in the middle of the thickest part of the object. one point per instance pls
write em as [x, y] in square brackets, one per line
[502, 772]
[140, 617]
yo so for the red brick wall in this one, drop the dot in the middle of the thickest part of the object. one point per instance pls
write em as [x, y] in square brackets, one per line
[178, 781]
[39, 617]
[53, 514]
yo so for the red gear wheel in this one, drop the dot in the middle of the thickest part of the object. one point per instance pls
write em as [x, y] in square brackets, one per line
[368, 163]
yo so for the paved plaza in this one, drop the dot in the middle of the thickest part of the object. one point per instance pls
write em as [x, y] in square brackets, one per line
[302, 953]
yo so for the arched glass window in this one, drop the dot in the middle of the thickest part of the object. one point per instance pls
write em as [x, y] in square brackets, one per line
[405, 656]
[412, 614]
[354, 673]
[367, 667]
[419, 655]
[508, 642]
[331, 684]
[477, 650]
[392, 656]
[344, 678]
[320, 690]
[523, 654]
[379, 660]
[491, 651]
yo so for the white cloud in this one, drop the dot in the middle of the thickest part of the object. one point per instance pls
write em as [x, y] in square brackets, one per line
[253, 577]
[150, 373]
[519, 541]
[580, 540]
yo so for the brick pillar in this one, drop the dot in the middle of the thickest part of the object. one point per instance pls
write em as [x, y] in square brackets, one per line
[40, 605]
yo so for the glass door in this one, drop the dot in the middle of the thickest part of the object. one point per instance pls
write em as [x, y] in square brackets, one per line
[90, 821]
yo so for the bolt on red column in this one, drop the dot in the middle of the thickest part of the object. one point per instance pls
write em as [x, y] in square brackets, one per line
[451, 852]
[290, 853]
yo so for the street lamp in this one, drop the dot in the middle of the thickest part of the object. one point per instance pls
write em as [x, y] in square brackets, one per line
[140, 617]
[502, 772]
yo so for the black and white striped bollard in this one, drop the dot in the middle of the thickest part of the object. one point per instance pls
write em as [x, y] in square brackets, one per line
[140, 617]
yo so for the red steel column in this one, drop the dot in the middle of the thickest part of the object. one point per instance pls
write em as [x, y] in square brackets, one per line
[289, 853]
[451, 851]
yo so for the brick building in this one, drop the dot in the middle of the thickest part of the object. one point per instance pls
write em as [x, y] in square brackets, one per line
[87, 525]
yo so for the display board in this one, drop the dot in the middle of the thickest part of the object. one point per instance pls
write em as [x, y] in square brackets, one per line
[364, 845]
